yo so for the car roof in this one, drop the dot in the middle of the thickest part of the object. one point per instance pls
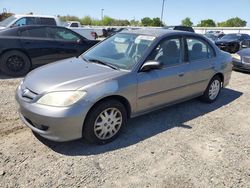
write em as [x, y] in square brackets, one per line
[157, 32]
[33, 15]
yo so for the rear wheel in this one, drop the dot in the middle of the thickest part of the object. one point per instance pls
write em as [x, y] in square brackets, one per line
[104, 122]
[15, 63]
[213, 90]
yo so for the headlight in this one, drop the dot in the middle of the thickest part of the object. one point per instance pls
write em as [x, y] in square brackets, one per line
[61, 99]
[236, 56]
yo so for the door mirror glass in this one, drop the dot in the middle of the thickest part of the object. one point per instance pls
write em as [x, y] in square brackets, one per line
[151, 65]
[245, 44]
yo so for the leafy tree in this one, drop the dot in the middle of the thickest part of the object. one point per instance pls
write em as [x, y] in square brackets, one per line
[233, 22]
[134, 22]
[207, 23]
[146, 21]
[187, 22]
[156, 22]
[4, 16]
[69, 18]
[107, 20]
[86, 20]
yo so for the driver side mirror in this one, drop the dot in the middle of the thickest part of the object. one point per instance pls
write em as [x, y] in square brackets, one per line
[245, 44]
[151, 65]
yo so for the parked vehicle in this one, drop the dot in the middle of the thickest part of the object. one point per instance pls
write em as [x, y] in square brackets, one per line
[241, 60]
[218, 34]
[232, 42]
[214, 37]
[73, 24]
[22, 20]
[23, 48]
[180, 28]
[128, 74]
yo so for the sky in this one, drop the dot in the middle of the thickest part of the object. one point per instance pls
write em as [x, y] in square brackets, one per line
[174, 10]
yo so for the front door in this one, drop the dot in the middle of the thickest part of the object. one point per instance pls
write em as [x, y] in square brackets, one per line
[159, 87]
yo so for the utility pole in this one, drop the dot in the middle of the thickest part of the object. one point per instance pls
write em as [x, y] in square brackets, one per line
[102, 13]
[162, 9]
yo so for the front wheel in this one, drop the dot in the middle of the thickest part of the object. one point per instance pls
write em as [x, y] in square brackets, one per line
[15, 63]
[104, 122]
[213, 90]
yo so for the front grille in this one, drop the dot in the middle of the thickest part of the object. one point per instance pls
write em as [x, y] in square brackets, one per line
[27, 94]
[246, 59]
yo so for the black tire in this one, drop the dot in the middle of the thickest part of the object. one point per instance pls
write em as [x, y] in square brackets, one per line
[15, 63]
[206, 97]
[88, 129]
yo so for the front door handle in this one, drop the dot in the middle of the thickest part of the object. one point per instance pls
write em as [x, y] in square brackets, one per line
[181, 74]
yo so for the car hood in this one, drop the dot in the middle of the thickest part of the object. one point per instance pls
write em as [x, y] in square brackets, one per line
[226, 41]
[69, 74]
[244, 52]
[1, 27]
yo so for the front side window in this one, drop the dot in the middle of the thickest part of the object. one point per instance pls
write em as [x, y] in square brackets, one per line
[169, 52]
[198, 49]
[121, 50]
[63, 34]
[20, 22]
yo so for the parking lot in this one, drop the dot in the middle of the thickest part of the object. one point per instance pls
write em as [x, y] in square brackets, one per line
[192, 144]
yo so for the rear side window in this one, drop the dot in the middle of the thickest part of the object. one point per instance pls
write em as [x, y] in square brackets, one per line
[74, 25]
[63, 34]
[47, 21]
[199, 49]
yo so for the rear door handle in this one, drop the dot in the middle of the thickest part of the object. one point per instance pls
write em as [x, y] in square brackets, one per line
[181, 74]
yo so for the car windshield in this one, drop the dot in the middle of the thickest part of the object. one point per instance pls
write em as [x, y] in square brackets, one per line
[122, 51]
[232, 36]
[7, 21]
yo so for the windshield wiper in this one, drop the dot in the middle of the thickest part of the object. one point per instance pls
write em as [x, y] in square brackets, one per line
[102, 63]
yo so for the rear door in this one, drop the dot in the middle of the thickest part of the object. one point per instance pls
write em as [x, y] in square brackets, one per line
[201, 64]
[41, 48]
[69, 43]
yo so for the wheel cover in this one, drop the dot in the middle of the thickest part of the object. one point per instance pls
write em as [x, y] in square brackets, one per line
[15, 63]
[214, 89]
[108, 123]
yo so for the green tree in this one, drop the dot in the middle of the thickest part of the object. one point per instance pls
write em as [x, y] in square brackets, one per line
[207, 23]
[156, 22]
[135, 22]
[86, 20]
[233, 22]
[69, 18]
[107, 20]
[146, 21]
[4, 16]
[187, 22]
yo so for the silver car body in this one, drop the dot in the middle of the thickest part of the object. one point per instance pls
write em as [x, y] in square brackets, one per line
[140, 92]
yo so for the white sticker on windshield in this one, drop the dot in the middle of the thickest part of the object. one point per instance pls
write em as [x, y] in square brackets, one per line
[144, 37]
[119, 40]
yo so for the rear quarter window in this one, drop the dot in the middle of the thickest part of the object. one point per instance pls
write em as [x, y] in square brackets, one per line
[48, 21]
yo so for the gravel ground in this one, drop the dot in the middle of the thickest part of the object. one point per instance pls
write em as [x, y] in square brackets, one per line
[187, 145]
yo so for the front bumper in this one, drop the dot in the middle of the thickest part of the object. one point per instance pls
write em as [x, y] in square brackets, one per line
[53, 123]
[239, 65]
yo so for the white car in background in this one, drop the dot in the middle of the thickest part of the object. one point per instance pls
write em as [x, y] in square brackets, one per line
[22, 20]
[30, 19]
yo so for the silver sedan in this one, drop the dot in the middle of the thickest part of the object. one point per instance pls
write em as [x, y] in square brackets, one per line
[128, 74]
